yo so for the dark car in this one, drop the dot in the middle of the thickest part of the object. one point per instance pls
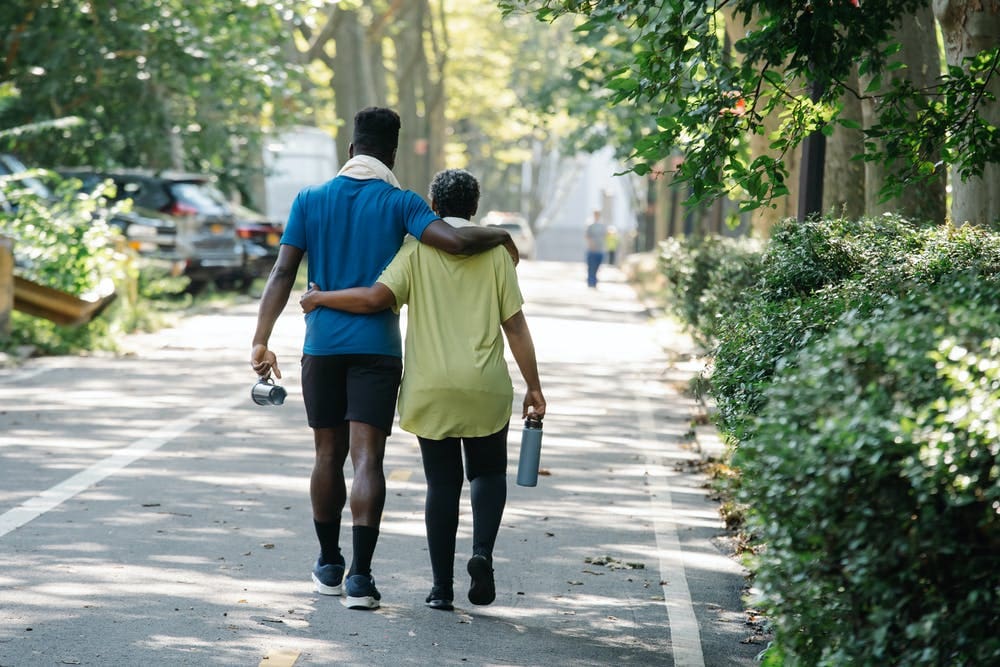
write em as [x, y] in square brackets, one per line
[204, 246]
[261, 238]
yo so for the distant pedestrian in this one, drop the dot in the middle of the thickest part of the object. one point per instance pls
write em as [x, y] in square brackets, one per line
[596, 237]
[456, 392]
[611, 243]
[351, 227]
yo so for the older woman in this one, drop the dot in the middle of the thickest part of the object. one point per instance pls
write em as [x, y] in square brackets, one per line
[456, 392]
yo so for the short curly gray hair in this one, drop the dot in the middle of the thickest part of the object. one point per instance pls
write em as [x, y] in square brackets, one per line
[455, 192]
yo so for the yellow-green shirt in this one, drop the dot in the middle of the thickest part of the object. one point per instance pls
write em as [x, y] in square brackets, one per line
[455, 380]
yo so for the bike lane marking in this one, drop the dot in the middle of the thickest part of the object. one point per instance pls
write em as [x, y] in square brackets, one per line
[685, 636]
[56, 495]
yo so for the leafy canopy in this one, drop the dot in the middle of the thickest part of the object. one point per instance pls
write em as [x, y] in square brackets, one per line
[669, 62]
[157, 83]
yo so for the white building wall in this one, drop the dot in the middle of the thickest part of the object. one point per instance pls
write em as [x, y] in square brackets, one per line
[297, 158]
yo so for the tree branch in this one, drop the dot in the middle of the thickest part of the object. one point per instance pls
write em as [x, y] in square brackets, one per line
[318, 44]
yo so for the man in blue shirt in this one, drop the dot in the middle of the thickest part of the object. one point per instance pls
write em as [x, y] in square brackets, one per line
[350, 228]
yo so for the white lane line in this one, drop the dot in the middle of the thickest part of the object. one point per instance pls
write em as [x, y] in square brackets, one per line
[685, 637]
[60, 493]
[20, 376]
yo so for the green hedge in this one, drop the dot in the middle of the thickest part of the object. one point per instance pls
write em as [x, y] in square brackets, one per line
[857, 374]
[814, 272]
[873, 482]
[706, 276]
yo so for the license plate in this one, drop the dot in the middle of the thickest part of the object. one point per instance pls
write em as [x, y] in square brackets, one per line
[216, 229]
[273, 239]
[219, 262]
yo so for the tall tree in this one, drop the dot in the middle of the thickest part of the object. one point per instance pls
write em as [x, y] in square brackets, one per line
[156, 83]
[384, 53]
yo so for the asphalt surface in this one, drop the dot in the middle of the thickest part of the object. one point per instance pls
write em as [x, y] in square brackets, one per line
[151, 514]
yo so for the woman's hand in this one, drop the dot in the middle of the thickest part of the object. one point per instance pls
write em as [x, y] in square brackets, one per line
[533, 402]
[310, 299]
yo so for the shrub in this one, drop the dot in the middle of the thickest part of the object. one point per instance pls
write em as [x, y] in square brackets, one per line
[873, 481]
[64, 243]
[707, 276]
[814, 272]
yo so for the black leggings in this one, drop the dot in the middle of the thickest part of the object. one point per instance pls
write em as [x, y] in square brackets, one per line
[486, 469]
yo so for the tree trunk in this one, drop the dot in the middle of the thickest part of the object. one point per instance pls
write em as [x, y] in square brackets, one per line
[765, 217]
[408, 38]
[971, 26]
[924, 201]
[353, 81]
[437, 122]
[844, 182]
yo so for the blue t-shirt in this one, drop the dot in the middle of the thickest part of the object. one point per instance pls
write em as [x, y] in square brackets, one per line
[350, 229]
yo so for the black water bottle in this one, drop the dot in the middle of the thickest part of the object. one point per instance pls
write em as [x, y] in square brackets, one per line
[531, 451]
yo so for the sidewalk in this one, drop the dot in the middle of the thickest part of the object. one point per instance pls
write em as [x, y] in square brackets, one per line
[197, 552]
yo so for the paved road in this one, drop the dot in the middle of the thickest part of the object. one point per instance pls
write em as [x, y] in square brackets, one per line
[150, 514]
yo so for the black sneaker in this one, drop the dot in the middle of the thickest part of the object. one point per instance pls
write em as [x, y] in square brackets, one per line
[441, 598]
[483, 589]
[360, 592]
[328, 578]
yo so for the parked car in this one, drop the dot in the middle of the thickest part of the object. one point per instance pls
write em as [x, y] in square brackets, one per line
[205, 246]
[261, 237]
[517, 227]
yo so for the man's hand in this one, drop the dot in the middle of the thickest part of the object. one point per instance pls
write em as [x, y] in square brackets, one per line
[512, 249]
[533, 402]
[264, 362]
[309, 299]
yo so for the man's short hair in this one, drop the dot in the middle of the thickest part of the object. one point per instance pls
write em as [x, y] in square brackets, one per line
[376, 130]
[455, 192]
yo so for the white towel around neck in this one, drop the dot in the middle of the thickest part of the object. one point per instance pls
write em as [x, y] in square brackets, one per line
[367, 167]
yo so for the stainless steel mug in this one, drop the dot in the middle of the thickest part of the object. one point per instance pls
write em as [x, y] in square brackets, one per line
[265, 392]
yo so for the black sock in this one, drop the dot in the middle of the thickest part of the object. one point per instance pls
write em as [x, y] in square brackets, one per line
[365, 539]
[329, 541]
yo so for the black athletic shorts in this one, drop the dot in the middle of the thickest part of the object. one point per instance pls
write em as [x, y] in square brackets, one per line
[351, 387]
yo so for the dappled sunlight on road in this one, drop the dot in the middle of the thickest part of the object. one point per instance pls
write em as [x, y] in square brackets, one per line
[199, 551]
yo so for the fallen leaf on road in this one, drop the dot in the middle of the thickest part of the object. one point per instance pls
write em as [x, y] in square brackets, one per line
[268, 545]
[575, 583]
[614, 563]
[596, 574]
